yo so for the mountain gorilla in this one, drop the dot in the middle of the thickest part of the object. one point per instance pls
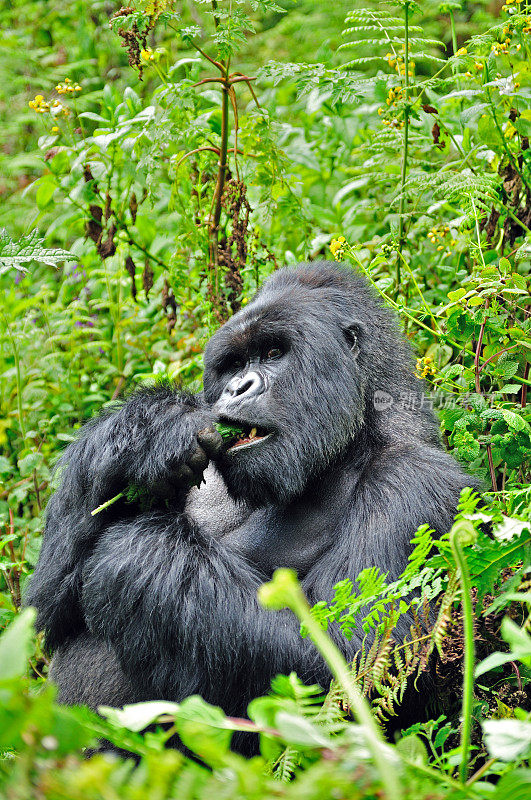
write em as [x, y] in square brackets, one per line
[334, 471]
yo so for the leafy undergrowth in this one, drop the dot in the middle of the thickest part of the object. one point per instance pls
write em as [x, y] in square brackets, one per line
[314, 744]
[398, 141]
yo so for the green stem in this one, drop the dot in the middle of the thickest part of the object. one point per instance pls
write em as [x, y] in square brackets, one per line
[462, 533]
[422, 298]
[405, 145]
[107, 504]
[285, 591]
[14, 348]
[454, 35]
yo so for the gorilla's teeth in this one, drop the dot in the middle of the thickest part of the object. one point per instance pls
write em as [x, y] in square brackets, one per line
[253, 433]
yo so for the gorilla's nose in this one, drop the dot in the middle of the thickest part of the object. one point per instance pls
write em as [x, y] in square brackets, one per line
[243, 387]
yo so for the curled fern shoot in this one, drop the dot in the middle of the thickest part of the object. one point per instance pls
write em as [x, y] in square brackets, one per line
[463, 533]
[284, 591]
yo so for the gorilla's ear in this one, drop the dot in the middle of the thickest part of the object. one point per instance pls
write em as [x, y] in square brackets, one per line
[352, 334]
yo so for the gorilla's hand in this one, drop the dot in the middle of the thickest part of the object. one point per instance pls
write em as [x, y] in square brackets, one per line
[160, 440]
[172, 443]
[185, 469]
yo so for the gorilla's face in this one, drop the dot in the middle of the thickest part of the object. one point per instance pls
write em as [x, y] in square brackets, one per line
[286, 371]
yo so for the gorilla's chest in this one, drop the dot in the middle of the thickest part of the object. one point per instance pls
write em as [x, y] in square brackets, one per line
[270, 537]
[211, 507]
[273, 538]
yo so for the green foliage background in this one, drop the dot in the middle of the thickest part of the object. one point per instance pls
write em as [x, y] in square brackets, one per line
[394, 136]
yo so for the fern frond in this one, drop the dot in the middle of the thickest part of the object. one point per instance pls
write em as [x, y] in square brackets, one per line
[444, 615]
[398, 26]
[363, 60]
[390, 41]
[368, 14]
[284, 767]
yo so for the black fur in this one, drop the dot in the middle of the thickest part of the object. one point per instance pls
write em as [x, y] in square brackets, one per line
[162, 603]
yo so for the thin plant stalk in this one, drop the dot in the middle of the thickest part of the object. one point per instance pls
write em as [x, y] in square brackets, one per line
[462, 533]
[285, 591]
[454, 34]
[14, 349]
[405, 146]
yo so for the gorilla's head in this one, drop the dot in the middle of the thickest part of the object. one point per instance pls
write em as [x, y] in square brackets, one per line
[297, 369]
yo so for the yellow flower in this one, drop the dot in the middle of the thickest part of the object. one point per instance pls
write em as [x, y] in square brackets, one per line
[55, 129]
[425, 367]
[67, 87]
[39, 105]
[336, 247]
[462, 51]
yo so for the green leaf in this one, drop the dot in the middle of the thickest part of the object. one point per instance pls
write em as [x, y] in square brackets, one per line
[300, 731]
[28, 463]
[515, 421]
[13, 254]
[6, 467]
[45, 192]
[138, 716]
[412, 748]
[515, 785]
[518, 639]
[507, 739]
[489, 557]
[456, 295]
[204, 729]
[228, 431]
[16, 645]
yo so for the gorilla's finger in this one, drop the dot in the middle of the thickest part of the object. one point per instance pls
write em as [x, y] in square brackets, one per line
[198, 460]
[185, 475]
[210, 440]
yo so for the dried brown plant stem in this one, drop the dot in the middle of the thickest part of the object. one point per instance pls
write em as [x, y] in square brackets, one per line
[477, 370]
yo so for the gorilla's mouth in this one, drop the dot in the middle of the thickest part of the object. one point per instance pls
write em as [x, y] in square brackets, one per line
[241, 435]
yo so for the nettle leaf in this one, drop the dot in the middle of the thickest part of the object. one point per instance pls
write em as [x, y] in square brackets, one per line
[515, 421]
[13, 254]
[507, 369]
[489, 557]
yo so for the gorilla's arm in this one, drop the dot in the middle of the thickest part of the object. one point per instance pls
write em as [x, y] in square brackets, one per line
[181, 611]
[180, 607]
[143, 443]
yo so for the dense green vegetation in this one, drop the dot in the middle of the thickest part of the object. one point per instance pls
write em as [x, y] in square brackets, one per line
[158, 161]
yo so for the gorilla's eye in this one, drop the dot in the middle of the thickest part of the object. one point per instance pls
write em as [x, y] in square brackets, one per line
[274, 352]
[237, 363]
[231, 363]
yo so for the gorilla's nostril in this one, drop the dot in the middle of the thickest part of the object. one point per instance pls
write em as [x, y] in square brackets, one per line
[244, 386]
[250, 384]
